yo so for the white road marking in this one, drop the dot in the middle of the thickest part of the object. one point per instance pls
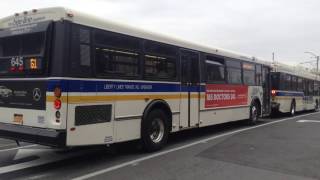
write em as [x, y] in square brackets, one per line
[24, 153]
[17, 148]
[312, 121]
[10, 144]
[45, 156]
[93, 174]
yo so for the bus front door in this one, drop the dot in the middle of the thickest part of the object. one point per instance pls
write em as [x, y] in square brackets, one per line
[190, 89]
[266, 84]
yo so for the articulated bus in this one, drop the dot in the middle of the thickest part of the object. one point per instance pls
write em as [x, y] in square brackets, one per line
[68, 79]
[293, 90]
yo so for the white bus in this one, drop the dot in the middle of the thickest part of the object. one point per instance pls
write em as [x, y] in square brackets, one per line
[293, 89]
[77, 80]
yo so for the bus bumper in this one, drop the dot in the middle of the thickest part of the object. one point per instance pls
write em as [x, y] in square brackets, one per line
[275, 106]
[48, 137]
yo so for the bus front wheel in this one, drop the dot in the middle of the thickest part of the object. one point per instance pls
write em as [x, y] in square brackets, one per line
[154, 131]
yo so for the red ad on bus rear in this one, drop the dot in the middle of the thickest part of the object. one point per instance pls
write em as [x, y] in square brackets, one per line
[221, 95]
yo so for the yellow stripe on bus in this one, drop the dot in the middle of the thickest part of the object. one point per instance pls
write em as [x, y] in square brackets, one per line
[86, 99]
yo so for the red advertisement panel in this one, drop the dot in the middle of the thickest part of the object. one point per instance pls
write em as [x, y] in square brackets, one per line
[222, 95]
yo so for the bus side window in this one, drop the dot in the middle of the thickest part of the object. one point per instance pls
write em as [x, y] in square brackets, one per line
[84, 37]
[80, 63]
[234, 74]
[1, 48]
[316, 88]
[287, 82]
[311, 83]
[115, 63]
[300, 85]
[215, 69]
[294, 83]
[258, 75]
[117, 55]
[160, 61]
[249, 75]
[305, 87]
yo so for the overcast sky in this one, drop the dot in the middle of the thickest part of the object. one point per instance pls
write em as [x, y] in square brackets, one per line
[253, 27]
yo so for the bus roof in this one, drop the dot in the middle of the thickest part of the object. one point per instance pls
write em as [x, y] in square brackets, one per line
[61, 13]
[294, 70]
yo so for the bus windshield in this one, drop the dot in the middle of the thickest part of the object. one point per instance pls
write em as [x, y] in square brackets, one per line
[22, 54]
[22, 45]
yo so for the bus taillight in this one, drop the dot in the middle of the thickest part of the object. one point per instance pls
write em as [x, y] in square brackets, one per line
[57, 95]
[57, 104]
[20, 68]
[273, 92]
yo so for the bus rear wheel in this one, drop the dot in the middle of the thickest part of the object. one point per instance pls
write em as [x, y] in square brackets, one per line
[316, 108]
[293, 109]
[154, 131]
[254, 114]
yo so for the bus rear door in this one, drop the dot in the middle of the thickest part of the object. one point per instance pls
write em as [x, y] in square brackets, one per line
[190, 89]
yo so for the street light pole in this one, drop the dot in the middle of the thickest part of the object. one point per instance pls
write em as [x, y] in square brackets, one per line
[318, 57]
[315, 56]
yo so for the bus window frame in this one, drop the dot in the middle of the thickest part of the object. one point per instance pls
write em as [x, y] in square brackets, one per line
[231, 66]
[204, 69]
[258, 76]
[174, 58]
[244, 69]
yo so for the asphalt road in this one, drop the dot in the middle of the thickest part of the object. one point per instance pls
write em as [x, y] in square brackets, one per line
[282, 148]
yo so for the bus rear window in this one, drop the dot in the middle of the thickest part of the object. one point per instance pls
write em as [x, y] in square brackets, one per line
[22, 54]
[22, 45]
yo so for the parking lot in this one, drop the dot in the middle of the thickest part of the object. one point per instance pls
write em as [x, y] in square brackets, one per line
[278, 148]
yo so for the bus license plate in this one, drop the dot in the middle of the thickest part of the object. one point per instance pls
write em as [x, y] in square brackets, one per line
[18, 119]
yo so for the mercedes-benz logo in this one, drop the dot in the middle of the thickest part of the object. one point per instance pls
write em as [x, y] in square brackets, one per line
[36, 94]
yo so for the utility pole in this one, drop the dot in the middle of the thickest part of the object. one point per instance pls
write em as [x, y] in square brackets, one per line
[273, 57]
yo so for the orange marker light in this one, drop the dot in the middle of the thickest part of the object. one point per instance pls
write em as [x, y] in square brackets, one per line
[33, 63]
[57, 92]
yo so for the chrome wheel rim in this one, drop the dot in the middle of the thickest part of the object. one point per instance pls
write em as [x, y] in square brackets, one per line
[254, 113]
[293, 111]
[157, 130]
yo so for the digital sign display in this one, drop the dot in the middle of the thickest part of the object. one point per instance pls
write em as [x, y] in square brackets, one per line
[33, 63]
[20, 64]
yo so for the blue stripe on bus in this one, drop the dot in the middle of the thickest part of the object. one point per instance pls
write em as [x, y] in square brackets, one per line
[289, 93]
[116, 86]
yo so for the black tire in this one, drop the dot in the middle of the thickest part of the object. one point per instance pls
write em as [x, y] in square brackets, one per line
[274, 113]
[151, 140]
[316, 108]
[254, 114]
[293, 109]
